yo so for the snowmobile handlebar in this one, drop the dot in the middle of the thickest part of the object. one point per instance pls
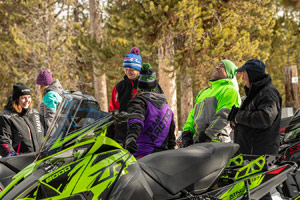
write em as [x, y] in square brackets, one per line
[124, 116]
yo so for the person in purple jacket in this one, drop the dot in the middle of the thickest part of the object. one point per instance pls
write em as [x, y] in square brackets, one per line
[154, 130]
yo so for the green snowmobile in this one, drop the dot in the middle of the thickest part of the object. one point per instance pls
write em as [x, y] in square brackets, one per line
[77, 161]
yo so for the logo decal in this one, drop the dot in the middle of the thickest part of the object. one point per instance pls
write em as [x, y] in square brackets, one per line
[294, 149]
[57, 174]
[112, 169]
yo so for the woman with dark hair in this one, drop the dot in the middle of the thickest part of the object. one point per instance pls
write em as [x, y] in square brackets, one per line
[21, 129]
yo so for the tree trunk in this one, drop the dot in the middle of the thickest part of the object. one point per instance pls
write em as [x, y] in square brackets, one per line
[291, 86]
[167, 73]
[186, 95]
[99, 78]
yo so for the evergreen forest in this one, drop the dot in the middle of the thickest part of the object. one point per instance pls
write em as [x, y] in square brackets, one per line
[83, 42]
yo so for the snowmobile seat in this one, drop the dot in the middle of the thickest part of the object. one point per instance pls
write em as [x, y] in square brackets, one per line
[194, 168]
[17, 163]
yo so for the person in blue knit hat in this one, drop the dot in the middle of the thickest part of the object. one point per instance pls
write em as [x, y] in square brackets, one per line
[125, 90]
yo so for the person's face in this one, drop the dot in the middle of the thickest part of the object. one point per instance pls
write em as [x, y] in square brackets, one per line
[246, 79]
[219, 72]
[132, 73]
[25, 101]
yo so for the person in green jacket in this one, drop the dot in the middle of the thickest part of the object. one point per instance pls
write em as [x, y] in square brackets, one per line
[207, 121]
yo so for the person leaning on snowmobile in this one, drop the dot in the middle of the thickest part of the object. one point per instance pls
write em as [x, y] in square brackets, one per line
[21, 129]
[124, 91]
[207, 121]
[154, 130]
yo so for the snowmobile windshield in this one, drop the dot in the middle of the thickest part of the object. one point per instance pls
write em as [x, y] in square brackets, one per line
[75, 114]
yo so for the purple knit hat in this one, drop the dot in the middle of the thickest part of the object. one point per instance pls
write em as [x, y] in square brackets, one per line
[44, 78]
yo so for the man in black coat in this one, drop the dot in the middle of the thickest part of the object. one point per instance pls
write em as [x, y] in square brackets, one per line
[257, 123]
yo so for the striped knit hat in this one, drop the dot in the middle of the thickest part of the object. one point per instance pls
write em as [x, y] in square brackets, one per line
[147, 79]
[133, 59]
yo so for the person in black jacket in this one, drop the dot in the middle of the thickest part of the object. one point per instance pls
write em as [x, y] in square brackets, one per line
[153, 130]
[21, 129]
[124, 91]
[257, 122]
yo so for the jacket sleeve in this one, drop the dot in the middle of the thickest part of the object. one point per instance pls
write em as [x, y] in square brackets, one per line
[219, 127]
[5, 137]
[114, 102]
[48, 116]
[43, 123]
[188, 126]
[264, 115]
[136, 125]
[171, 136]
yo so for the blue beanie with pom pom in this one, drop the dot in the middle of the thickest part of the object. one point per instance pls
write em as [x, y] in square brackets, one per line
[133, 59]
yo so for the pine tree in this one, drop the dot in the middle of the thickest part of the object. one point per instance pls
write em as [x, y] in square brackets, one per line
[42, 35]
[148, 25]
[99, 75]
[11, 12]
[285, 43]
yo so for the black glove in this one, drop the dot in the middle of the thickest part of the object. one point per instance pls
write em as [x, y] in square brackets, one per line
[232, 114]
[187, 138]
[131, 145]
[202, 138]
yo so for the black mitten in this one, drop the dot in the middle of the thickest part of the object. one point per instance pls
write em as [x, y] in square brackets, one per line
[131, 145]
[232, 114]
[187, 138]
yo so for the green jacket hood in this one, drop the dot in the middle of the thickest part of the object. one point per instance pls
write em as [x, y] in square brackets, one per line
[230, 68]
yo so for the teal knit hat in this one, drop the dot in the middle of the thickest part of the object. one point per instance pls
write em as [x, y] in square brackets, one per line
[230, 68]
[147, 79]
